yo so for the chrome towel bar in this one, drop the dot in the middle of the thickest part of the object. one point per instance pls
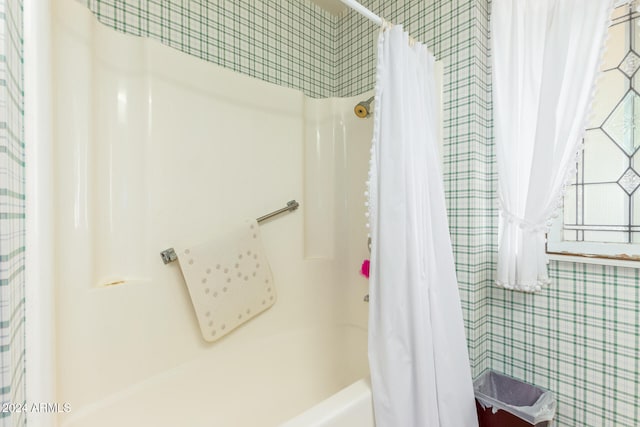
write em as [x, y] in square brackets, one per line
[169, 255]
[292, 205]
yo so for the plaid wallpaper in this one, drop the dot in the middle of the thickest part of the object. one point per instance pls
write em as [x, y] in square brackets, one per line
[286, 42]
[580, 336]
[12, 212]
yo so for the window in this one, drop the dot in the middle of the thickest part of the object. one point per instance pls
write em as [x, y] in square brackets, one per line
[601, 214]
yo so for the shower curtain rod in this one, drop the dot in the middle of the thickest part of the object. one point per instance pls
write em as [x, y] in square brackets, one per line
[363, 11]
[353, 4]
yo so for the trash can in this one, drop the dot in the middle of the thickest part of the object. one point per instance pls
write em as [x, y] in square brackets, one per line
[502, 401]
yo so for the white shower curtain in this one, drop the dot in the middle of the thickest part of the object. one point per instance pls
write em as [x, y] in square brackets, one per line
[545, 60]
[418, 356]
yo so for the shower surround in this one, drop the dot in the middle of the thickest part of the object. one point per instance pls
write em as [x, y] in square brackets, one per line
[296, 44]
[155, 148]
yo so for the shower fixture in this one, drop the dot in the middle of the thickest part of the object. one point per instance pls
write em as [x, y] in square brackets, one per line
[363, 108]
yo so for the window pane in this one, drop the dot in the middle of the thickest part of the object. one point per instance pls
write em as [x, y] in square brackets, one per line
[620, 125]
[570, 236]
[605, 204]
[603, 161]
[615, 50]
[635, 203]
[571, 206]
[612, 86]
[606, 236]
[620, 12]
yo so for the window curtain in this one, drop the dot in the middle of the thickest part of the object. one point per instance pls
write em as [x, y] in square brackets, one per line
[418, 358]
[546, 55]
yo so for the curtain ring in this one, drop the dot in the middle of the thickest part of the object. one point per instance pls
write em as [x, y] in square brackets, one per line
[386, 25]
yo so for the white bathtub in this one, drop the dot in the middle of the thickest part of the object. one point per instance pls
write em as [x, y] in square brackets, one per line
[350, 407]
[262, 384]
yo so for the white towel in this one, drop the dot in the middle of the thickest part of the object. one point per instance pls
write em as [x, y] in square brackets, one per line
[229, 280]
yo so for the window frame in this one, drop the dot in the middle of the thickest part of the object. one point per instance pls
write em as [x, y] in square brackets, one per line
[590, 251]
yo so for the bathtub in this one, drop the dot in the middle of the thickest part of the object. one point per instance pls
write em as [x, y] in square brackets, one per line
[154, 148]
[269, 382]
[350, 407]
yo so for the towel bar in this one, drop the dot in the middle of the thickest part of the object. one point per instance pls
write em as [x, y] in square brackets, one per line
[169, 255]
[292, 205]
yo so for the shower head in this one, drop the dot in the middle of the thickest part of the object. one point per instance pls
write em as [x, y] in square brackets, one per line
[363, 108]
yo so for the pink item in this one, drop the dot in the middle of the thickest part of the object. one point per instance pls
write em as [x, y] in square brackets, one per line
[364, 270]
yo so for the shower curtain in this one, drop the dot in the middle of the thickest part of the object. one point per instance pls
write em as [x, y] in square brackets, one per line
[418, 358]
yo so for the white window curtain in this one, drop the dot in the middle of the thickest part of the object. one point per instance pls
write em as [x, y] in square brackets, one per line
[546, 55]
[418, 358]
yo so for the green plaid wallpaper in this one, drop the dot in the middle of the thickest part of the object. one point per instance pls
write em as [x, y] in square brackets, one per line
[12, 212]
[580, 336]
[286, 42]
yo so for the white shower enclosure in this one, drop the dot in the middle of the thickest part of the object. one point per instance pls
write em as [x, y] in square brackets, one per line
[151, 148]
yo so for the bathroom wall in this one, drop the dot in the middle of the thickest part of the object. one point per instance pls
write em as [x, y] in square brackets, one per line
[12, 212]
[288, 42]
[579, 337]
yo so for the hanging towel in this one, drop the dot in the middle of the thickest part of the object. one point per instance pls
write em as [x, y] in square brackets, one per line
[229, 280]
